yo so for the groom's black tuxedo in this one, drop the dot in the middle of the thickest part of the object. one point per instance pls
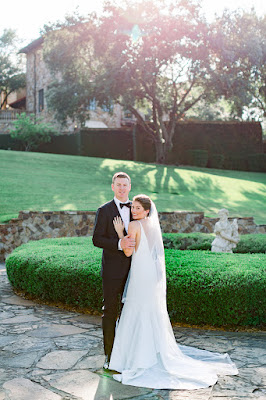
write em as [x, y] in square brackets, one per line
[115, 264]
[115, 268]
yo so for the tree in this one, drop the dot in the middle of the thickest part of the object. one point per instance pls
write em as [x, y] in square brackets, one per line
[151, 53]
[239, 45]
[12, 76]
[31, 131]
[156, 55]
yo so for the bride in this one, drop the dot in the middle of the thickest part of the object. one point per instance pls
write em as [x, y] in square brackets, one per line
[145, 352]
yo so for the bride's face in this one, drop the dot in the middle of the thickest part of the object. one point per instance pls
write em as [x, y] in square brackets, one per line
[138, 211]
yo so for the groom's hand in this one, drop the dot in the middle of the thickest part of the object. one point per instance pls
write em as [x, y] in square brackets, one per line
[127, 242]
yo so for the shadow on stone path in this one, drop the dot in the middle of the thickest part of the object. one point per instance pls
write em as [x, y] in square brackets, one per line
[51, 354]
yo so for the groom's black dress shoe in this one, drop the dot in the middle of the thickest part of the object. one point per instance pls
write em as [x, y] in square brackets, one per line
[107, 362]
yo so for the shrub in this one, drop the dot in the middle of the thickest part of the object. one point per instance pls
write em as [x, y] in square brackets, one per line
[188, 241]
[216, 288]
[30, 132]
[203, 287]
[63, 270]
[253, 243]
[236, 162]
[199, 158]
[257, 162]
[216, 161]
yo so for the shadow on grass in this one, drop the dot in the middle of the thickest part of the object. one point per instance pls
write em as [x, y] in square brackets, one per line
[155, 180]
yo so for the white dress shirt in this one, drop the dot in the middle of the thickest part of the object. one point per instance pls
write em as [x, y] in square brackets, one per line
[125, 215]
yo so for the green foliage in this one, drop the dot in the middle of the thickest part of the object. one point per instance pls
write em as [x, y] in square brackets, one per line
[160, 65]
[63, 270]
[253, 243]
[239, 40]
[216, 288]
[203, 287]
[216, 161]
[233, 141]
[257, 162]
[188, 241]
[167, 65]
[198, 157]
[229, 145]
[31, 132]
[12, 76]
[238, 162]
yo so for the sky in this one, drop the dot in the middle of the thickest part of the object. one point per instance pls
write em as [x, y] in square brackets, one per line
[27, 17]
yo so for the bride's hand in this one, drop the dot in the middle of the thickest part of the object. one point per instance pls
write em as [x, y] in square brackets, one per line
[119, 226]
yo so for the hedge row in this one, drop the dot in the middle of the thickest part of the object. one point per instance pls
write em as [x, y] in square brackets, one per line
[203, 287]
[253, 243]
[250, 162]
[213, 144]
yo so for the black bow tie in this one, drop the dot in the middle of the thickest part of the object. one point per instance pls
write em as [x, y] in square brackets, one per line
[125, 204]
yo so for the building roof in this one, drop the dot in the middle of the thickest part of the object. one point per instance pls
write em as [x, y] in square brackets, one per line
[20, 103]
[33, 45]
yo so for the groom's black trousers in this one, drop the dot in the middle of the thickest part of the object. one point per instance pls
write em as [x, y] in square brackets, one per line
[112, 293]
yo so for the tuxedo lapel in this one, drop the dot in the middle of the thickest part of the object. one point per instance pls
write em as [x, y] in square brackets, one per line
[130, 215]
[114, 209]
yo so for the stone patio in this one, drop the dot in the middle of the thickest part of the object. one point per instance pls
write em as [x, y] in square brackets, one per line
[51, 354]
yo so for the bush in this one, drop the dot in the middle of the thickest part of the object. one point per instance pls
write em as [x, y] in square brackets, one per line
[236, 162]
[216, 161]
[63, 270]
[254, 243]
[257, 162]
[199, 158]
[203, 287]
[188, 241]
[217, 289]
[31, 132]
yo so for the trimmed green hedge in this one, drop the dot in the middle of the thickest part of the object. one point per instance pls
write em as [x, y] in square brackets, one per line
[216, 288]
[203, 287]
[198, 157]
[257, 162]
[229, 145]
[216, 161]
[253, 243]
[63, 270]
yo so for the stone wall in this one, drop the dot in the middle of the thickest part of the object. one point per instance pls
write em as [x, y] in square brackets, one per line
[54, 224]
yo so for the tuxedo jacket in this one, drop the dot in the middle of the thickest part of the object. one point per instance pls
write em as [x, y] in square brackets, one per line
[115, 264]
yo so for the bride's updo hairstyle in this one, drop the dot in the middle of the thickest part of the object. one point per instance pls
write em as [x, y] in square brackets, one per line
[144, 200]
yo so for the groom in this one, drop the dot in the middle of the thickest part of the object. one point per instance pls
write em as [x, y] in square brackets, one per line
[115, 265]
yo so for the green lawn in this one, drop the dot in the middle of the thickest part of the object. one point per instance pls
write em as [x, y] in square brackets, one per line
[39, 181]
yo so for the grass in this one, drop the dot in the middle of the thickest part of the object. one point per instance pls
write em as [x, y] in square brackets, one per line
[41, 181]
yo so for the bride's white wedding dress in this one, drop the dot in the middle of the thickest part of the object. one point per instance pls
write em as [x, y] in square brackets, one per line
[145, 351]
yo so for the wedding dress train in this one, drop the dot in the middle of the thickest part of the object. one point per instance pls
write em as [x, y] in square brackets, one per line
[145, 351]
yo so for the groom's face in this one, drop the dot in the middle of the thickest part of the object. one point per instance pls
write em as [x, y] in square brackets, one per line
[121, 188]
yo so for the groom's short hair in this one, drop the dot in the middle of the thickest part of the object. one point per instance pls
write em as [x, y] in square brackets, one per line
[121, 175]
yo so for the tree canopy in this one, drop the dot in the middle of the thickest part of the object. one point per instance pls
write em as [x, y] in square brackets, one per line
[239, 42]
[12, 76]
[156, 56]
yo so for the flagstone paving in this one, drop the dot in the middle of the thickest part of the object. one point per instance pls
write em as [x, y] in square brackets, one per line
[47, 353]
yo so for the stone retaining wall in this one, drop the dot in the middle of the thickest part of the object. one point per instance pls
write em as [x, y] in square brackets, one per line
[54, 224]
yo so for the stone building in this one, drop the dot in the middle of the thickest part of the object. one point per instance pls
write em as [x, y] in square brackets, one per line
[38, 79]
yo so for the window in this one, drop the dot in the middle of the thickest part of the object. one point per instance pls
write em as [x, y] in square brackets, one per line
[92, 105]
[41, 100]
[107, 107]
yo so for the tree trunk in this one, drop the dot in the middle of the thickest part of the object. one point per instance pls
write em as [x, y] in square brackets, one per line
[160, 152]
